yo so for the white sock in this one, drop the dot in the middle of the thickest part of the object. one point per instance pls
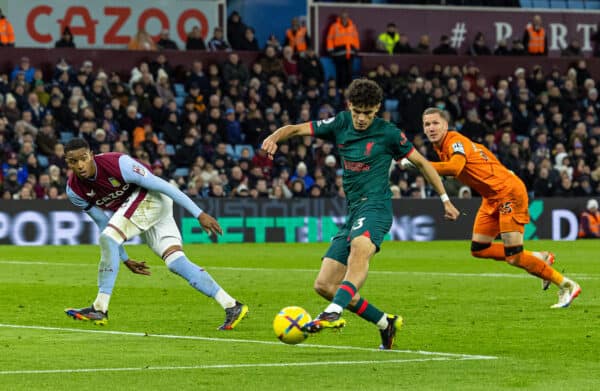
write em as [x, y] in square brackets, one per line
[334, 308]
[101, 302]
[224, 299]
[566, 282]
[382, 324]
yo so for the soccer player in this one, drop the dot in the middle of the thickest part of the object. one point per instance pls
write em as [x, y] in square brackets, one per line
[142, 204]
[367, 146]
[504, 208]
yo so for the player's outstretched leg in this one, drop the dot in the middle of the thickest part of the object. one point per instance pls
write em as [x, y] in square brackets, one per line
[88, 313]
[234, 315]
[386, 323]
[567, 292]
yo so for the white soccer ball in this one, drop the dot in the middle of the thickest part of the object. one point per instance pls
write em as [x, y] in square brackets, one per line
[288, 325]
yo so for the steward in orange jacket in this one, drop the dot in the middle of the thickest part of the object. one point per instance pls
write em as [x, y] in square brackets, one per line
[7, 34]
[589, 221]
[296, 37]
[342, 38]
[534, 38]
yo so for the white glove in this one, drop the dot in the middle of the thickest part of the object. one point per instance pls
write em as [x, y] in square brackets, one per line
[407, 164]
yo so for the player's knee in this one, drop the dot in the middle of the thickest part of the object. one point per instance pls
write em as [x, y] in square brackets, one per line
[324, 289]
[477, 249]
[513, 254]
[362, 245]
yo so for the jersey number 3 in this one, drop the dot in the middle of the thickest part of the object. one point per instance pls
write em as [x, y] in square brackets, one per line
[358, 223]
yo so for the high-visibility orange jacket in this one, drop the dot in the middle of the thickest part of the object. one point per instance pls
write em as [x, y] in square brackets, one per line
[342, 39]
[537, 40]
[297, 39]
[7, 34]
[589, 225]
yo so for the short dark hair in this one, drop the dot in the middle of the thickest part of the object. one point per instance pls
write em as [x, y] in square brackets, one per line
[364, 93]
[76, 143]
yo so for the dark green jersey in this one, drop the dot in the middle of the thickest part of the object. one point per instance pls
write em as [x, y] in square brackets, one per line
[366, 155]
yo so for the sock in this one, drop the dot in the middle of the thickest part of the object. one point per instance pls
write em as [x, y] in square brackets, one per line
[224, 299]
[344, 295]
[101, 302]
[109, 265]
[198, 278]
[369, 312]
[537, 267]
[494, 251]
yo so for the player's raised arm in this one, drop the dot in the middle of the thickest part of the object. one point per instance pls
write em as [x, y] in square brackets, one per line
[431, 175]
[269, 145]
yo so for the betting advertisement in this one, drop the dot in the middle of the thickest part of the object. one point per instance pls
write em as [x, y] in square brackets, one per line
[31, 223]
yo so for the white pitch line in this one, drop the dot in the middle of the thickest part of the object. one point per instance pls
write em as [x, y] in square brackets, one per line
[212, 339]
[262, 270]
[227, 366]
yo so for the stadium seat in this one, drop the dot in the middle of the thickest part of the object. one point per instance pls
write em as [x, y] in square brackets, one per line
[576, 4]
[170, 149]
[540, 4]
[42, 160]
[328, 68]
[391, 105]
[65, 137]
[230, 151]
[558, 4]
[240, 147]
[181, 172]
[179, 100]
[356, 67]
[179, 90]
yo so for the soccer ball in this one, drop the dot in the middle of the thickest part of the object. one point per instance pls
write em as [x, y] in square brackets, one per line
[288, 325]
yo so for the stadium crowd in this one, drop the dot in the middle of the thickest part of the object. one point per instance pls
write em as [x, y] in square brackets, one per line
[203, 132]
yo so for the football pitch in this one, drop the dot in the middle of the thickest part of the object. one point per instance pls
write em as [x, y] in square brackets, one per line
[470, 324]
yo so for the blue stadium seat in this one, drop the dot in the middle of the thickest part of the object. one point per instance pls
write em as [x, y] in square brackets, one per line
[240, 147]
[328, 68]
[170, 149]
[356, 67]
[179, 101]
[391, 105]
[181, 172]
[65, 137]
[230, 151]
[179, 90]
[540, 4]
[576, 4]
[558, 4]
[42, 160]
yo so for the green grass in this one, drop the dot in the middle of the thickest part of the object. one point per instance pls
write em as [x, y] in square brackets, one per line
[451, 303]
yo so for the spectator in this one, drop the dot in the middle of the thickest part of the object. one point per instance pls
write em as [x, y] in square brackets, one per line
[386, 42]
[235, 69]
[249, 42]
[573, 50]
[23, 68]
[217, 43]
[311, 68]
[165, 42]
[423, 45]
[478, 47]
[141, 41]
[7, 33]
[297, 37]
[66, 39]
[502, 48]
[534, 40]
[444, 47]
[194, 40]
[236, 31]
[518, 49]
[403, 46]
[342, 46]
[589, 221]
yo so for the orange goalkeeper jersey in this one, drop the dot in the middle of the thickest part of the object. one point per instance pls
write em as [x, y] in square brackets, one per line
[482, 171]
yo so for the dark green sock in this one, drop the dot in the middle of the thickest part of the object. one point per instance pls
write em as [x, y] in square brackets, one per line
[367, 311]
[344, 294]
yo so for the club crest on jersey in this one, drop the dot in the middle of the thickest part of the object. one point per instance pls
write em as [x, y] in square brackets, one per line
[114, 182]
[139, 170]
[368, 148]
[506, 208]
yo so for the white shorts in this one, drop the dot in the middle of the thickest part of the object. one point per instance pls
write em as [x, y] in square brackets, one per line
[152, 218]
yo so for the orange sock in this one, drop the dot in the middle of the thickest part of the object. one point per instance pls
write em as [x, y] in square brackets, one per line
[494, 251]
[536, 266]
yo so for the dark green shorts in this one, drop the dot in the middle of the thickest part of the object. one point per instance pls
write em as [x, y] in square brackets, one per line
[371, 219]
